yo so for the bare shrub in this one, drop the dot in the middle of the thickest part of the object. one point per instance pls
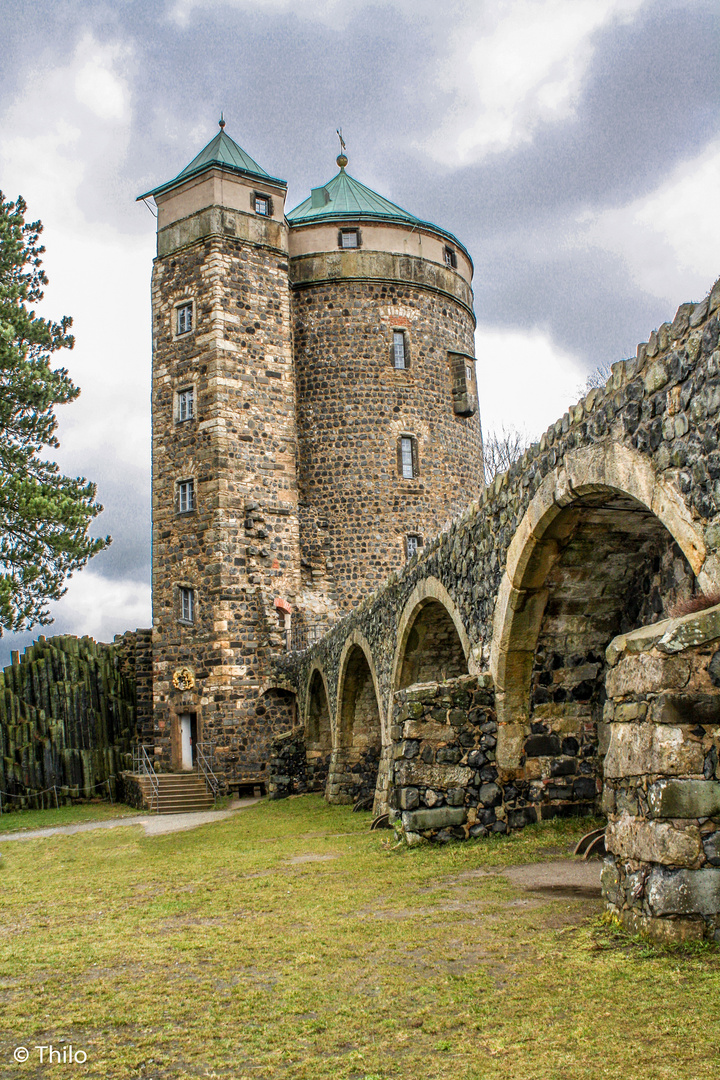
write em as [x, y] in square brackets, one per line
[501, 450]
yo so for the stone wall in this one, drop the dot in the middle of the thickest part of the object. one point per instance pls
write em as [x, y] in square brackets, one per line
[68, 716]
[446, 782]
[662, 789]
[606, 523]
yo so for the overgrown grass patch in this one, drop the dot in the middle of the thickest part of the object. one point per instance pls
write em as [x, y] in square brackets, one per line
[290, 942]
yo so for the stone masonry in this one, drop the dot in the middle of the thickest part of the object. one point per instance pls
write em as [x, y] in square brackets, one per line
[662, 779]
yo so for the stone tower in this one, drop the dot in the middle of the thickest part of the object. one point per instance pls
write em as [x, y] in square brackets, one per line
[389, 435]
[225, 522]
[314, 422]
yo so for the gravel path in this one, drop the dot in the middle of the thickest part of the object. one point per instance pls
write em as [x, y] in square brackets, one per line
[154, 824]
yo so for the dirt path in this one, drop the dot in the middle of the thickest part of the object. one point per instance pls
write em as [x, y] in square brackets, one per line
[154, 824]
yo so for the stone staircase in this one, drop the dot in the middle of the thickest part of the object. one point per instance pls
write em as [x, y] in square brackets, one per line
[180, 793]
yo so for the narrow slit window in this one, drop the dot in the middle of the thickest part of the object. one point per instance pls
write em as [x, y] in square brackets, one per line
[186, 404]
[186, 496]
[399, 357]
[406, 456]
[184, 319]
[187, 604]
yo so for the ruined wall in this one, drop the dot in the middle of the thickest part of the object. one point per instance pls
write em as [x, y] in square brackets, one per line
[356, 509]
[662, 794]
[69, 711]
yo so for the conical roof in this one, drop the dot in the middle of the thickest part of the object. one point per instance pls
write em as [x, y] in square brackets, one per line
[347, 197]
[221, 152]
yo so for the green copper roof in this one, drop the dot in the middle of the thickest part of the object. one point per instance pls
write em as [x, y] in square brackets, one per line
[347, 197]
[221, 152]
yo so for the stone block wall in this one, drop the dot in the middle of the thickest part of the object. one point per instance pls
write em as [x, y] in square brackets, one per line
[662, 778]
[446, 782]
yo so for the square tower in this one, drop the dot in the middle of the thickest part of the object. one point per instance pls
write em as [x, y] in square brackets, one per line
[226, 558]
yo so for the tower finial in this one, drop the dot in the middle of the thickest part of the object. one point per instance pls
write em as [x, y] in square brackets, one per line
[221, 122]
[342, 157]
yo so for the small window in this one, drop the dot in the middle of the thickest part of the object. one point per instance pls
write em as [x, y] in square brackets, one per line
[399, 350]
[349, 238]
[262, 205]
[184, 318]
[187, 604]
[407, 458]
[468, 373]
[450, 258]
[413, 543]
[186, 496]
[186, 404]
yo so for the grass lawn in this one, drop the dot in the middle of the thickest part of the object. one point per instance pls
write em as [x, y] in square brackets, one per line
[290, 942]
[78, 814]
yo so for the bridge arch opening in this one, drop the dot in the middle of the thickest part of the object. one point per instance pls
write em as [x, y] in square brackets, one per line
[318, 733]
[430, 649]
[356, 757]
[604, 565]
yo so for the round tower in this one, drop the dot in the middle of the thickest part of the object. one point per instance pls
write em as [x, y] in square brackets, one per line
[389, 438]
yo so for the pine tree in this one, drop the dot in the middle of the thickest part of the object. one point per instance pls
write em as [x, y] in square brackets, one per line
[44, 516]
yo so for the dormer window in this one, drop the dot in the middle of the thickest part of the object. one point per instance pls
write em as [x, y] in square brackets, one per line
[450, 258]
[262, 205]
[349, 238]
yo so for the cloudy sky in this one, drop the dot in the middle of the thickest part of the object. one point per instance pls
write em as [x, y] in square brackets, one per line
[573, 145]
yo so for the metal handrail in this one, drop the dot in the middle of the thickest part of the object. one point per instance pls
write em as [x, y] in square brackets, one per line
[205, 762]
[142, 766]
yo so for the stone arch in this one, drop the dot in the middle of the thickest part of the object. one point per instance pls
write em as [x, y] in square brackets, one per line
[432, 643]
[358, 727]
[604, 544]
[276, 714]
[317, 730]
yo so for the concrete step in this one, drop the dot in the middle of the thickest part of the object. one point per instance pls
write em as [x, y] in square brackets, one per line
[179, 793]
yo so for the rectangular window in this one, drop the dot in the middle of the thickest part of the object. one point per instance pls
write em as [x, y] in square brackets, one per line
[413, 545]
[186, 404]
[262, 205]
[468, 374]
[184, 318]
[187, 604]
[349, 239]
[186, 496]
[406, 456]
[399, 350]
[450, 258]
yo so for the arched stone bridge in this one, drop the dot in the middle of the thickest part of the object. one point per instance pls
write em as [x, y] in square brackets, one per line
[610, 523]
